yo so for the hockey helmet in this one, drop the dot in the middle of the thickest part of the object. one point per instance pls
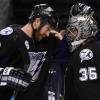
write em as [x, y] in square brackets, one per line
[46, 13]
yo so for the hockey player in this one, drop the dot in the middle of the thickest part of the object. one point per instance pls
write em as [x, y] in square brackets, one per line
[26, 54]
[83, 73]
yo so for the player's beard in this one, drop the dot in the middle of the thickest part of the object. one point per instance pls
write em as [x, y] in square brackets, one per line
[36, 34]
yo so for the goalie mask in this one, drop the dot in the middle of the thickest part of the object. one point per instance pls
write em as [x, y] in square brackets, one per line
[81, 26]
[81, 9]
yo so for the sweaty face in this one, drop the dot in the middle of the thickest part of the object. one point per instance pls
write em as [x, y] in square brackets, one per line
[72, 33]
[43, 32]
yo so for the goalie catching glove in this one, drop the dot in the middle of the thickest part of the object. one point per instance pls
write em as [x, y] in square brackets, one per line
[14, 78]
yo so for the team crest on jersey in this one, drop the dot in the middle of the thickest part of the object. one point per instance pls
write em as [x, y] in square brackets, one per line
[27, 44]
[36, 63]
[86, 54]
[6, 31]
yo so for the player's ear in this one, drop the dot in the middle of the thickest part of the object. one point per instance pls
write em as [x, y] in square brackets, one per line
[36, 23]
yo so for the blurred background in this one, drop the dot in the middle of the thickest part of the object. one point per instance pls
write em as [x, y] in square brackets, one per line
[17, 11]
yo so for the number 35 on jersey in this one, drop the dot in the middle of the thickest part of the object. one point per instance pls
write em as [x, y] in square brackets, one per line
[89, 73]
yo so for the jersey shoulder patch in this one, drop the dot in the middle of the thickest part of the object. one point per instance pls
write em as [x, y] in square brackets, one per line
[6, 31]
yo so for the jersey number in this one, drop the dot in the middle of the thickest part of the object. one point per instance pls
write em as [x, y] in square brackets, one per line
[88, 74]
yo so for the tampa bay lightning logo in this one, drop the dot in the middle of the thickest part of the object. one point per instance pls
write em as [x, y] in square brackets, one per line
[37, 60]
[86, 54]
[6, 31]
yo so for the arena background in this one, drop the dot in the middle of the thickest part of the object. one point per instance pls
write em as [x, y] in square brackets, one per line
[17, 11]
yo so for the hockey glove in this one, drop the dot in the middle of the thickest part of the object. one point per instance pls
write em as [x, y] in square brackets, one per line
[14, 78]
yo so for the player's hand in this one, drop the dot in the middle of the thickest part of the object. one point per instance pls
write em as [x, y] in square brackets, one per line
[57, 34]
